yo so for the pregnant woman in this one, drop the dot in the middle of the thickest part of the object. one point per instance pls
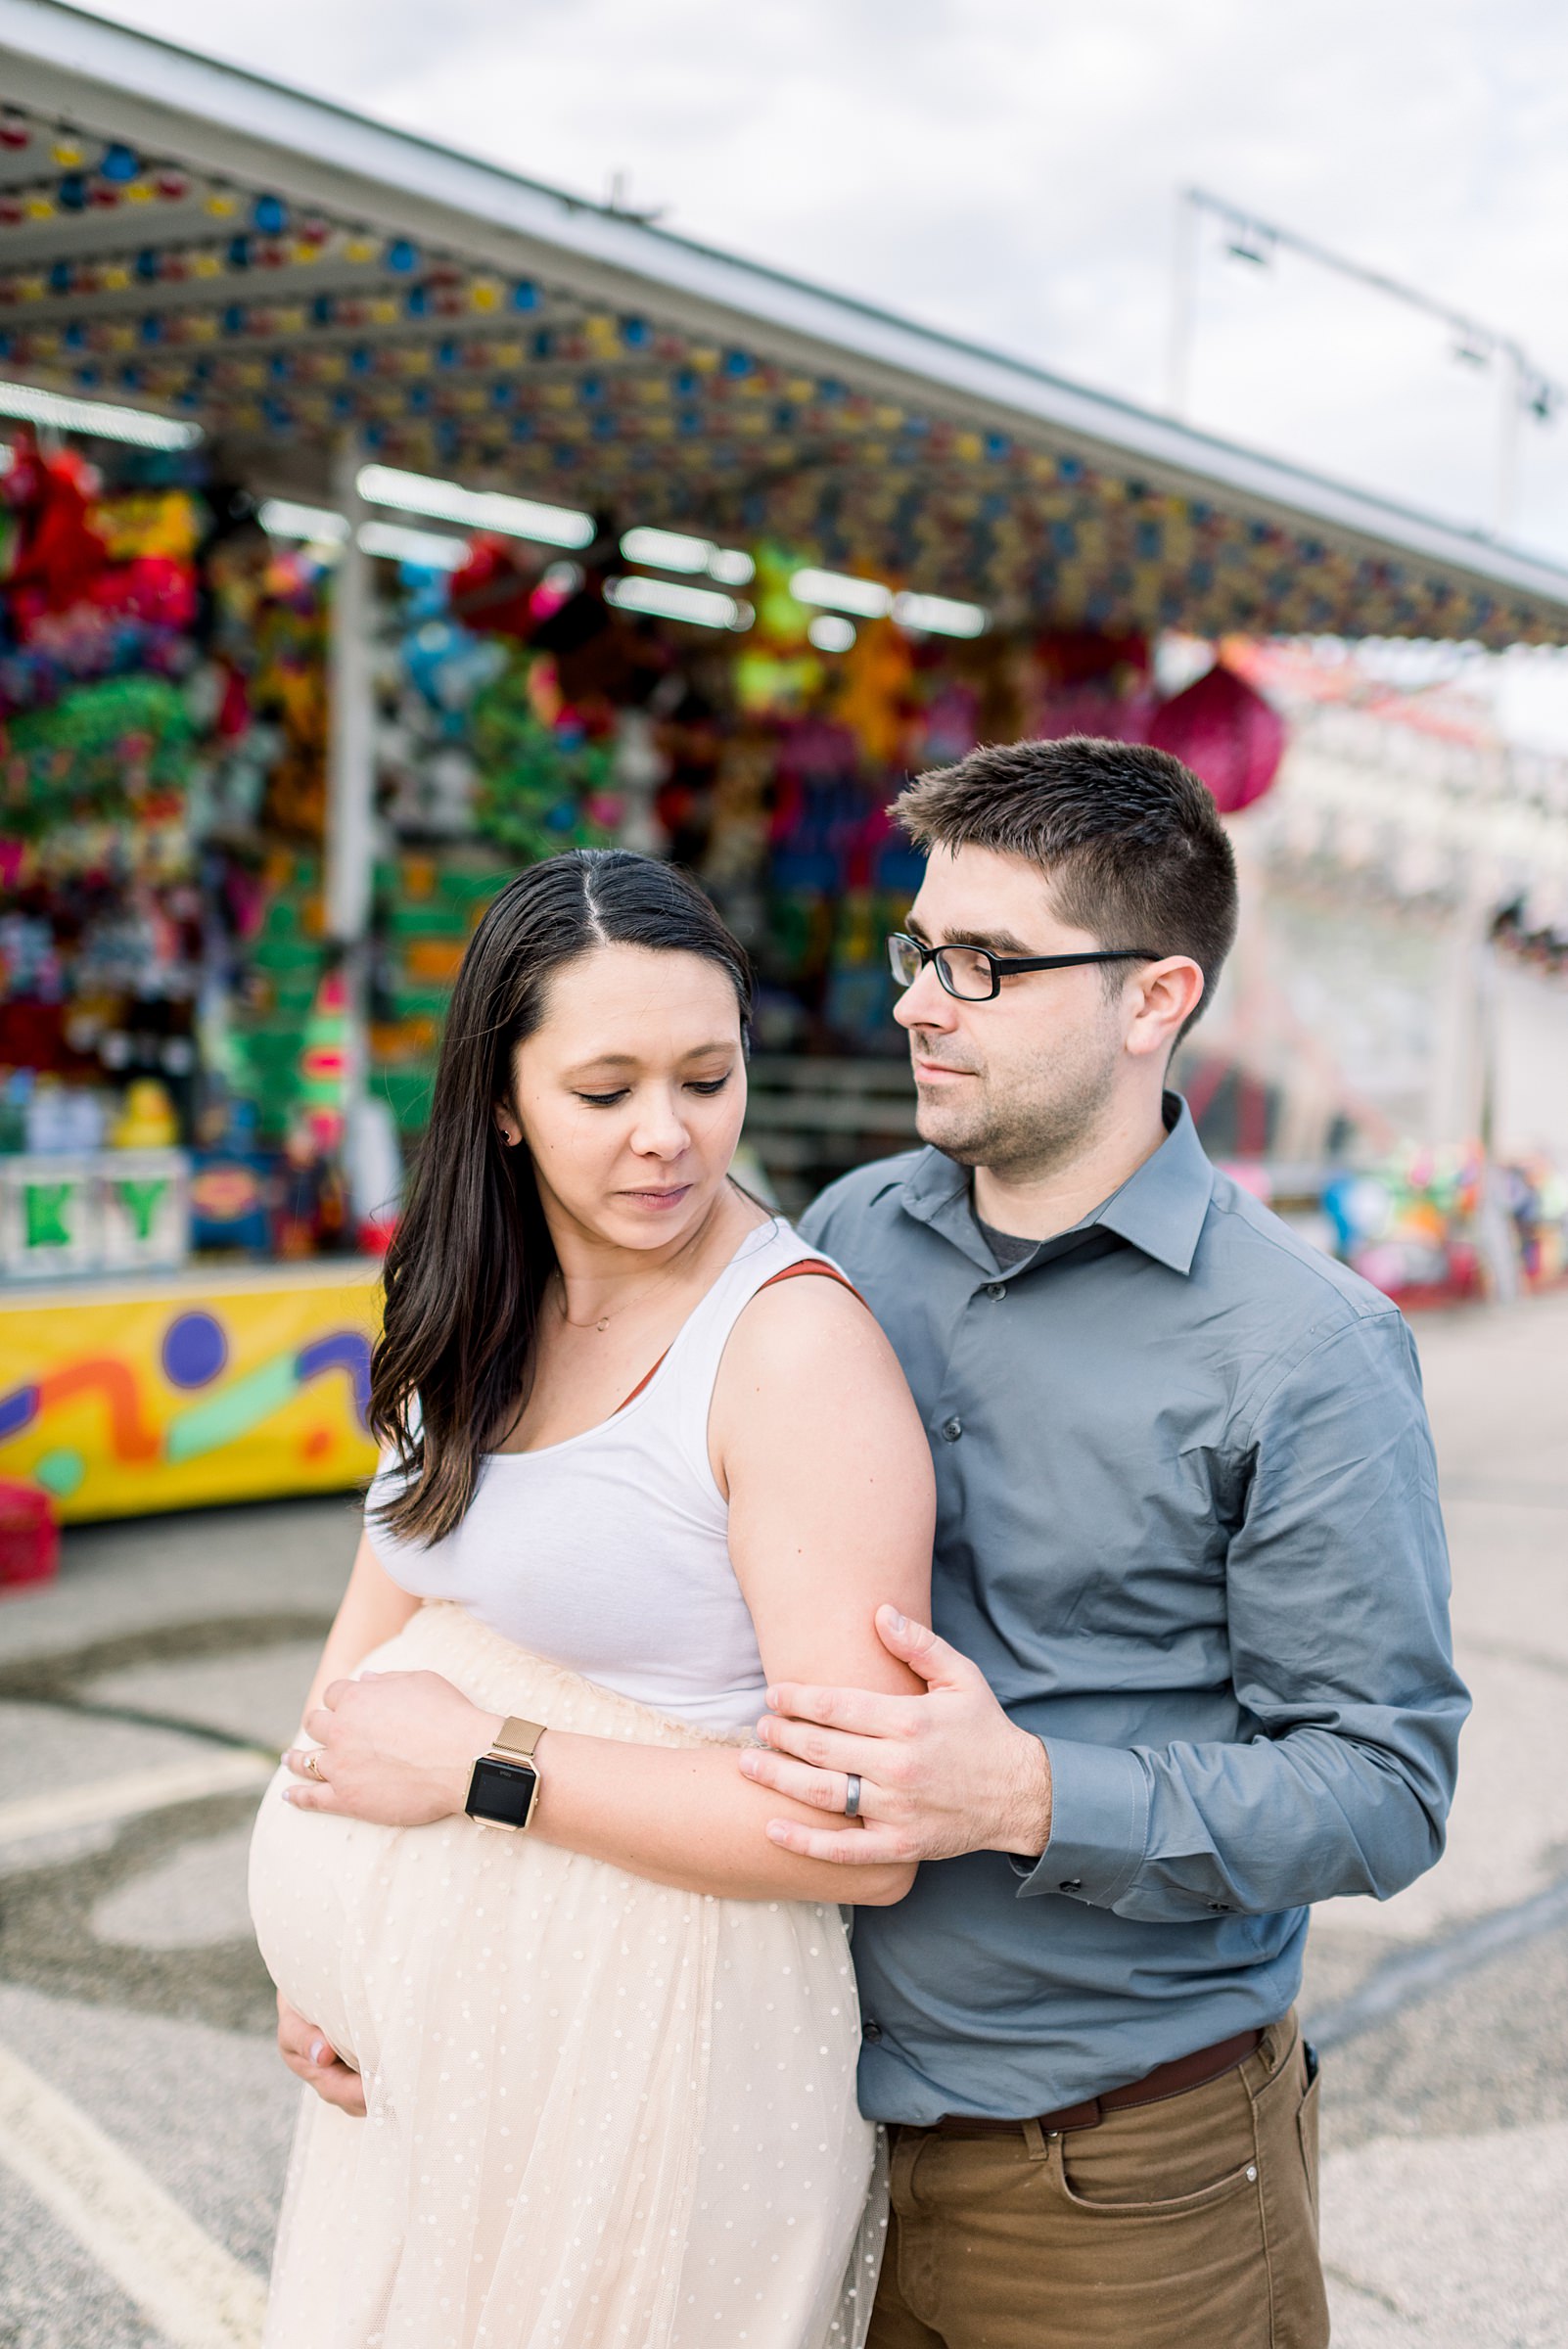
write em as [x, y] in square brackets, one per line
[635, 1470]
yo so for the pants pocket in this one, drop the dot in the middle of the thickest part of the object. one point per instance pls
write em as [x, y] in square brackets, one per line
[1184, 2154]
[1167, 2207]
[1306, 2132]
[1160, 2268]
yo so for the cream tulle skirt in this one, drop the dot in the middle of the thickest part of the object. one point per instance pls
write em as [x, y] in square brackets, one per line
[601, 2114]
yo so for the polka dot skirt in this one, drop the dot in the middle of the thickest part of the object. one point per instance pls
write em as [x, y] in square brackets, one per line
[603, 2114]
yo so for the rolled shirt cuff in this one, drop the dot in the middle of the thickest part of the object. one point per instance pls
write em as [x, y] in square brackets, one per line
[1099, 1825]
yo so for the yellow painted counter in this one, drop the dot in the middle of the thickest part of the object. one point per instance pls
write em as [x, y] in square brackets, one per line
[163, 1391]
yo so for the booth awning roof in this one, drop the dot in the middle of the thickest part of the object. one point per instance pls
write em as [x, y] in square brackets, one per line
[182, 236]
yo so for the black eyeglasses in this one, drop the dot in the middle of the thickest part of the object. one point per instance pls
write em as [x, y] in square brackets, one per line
[974, 974]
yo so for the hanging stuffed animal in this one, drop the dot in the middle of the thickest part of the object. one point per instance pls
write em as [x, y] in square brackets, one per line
[57, 555]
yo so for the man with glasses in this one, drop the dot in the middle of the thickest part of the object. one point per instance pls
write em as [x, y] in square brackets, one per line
[1190, 1669]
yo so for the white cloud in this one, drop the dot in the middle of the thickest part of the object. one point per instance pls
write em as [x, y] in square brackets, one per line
[1006, 169]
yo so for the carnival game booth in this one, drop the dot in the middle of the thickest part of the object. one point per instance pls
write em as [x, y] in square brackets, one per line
[378, 521]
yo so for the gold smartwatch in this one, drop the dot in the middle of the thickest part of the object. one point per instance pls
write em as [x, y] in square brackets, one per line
[504, 1788]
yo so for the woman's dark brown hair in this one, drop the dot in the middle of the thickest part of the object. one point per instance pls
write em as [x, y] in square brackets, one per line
[466, 1270]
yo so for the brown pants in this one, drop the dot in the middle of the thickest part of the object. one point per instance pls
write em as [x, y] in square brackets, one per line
[1190, 2224]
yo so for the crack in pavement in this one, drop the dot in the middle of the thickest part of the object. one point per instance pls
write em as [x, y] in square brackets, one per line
[1365, 2292]
[139, 1717]
[1410, 1975]
[52, 1678]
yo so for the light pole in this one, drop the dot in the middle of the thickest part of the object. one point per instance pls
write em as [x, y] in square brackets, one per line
[1524, 387]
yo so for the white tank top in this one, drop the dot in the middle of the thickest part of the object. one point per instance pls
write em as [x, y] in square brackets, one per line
[609, 1553]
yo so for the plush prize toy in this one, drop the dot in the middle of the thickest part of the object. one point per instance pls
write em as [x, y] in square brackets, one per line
[57, 554]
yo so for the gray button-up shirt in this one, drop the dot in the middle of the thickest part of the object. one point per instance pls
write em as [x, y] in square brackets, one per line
[1188, 1527]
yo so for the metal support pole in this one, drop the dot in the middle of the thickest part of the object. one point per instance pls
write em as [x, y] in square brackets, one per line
[1524, 385]
[351, 750]
[350, 792]
[1183, 303]
[1511, 391]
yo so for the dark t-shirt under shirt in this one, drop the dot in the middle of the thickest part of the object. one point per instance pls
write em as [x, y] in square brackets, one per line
[1005, 1246]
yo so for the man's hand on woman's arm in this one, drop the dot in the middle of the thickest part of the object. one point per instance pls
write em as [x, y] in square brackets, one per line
[941, 1774]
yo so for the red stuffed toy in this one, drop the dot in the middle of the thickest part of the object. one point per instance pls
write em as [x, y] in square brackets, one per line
[58, 554]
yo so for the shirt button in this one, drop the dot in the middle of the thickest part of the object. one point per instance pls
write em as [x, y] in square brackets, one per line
[996, 1290]
[951, 1430]
[871, 2031]
[1073, 1884]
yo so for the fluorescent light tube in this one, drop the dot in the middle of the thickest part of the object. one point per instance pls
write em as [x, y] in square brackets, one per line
[731, 566]
[474, 509]
[281, 517]
[665, 550]
[668, 599]
[431, 550]
[677, 550]
[869, 599]
[109, 423]
[831, 634]
[939, 616]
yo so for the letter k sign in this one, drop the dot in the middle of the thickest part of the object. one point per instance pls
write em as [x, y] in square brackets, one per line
[44, 1209]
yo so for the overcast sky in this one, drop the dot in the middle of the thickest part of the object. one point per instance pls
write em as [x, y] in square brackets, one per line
[1009, 169]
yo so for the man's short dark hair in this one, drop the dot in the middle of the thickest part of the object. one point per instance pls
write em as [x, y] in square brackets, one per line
[1127, 839]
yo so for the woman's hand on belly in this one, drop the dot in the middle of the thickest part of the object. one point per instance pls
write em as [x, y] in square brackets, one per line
[397, 1748]
[311, 2057]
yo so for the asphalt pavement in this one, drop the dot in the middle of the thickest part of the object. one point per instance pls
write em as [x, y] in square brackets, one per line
[144, 2117]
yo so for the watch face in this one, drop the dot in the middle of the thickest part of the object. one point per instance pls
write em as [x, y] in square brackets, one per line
[502, 1791]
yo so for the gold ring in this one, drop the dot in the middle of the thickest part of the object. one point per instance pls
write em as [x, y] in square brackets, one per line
[312, 1764]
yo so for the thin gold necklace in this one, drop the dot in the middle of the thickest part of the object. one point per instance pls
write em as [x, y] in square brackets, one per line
[605, 1319]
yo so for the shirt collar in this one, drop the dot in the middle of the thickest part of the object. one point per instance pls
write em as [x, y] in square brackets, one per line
[1160, 1208]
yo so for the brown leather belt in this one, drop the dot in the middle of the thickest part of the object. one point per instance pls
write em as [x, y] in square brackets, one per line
[1171, 2079]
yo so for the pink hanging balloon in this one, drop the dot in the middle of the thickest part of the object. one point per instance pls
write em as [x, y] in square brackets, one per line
[1227, 733]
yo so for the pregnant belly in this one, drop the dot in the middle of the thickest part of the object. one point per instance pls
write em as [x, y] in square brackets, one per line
[374, 1933]
[308, 1874]
[316, 1882]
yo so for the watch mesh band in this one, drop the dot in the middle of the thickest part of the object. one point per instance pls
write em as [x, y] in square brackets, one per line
[518, 1737]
